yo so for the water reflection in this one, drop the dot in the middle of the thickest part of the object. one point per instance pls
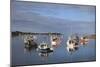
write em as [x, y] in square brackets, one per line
[29, 48]
[51, 47]
[45, 55]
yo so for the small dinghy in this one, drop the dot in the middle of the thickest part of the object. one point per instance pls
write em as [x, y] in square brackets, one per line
[84, 40]
[44, 48]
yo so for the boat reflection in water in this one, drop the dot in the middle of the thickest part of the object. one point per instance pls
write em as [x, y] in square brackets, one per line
[29, 48]
[73, 43]
[44, 55]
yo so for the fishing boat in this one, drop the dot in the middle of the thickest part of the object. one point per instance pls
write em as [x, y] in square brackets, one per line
[44, 47]
[84, 40]
[72, 43]
[29, 41]
[55, 40]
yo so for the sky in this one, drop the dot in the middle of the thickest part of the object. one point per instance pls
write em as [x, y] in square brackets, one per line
[67, 12]
[50, 17]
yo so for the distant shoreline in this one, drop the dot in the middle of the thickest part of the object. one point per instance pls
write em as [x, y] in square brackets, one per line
[17, 33]
[35, 33]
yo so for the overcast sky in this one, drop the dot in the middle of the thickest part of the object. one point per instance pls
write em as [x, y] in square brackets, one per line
[47, 17]
[68, 12]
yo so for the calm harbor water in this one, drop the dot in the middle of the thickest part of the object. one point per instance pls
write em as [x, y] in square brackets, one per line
[23, 56]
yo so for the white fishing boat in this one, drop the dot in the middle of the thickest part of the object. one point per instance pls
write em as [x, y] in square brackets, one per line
[72, 43]
[55, 40]
[44, 47]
